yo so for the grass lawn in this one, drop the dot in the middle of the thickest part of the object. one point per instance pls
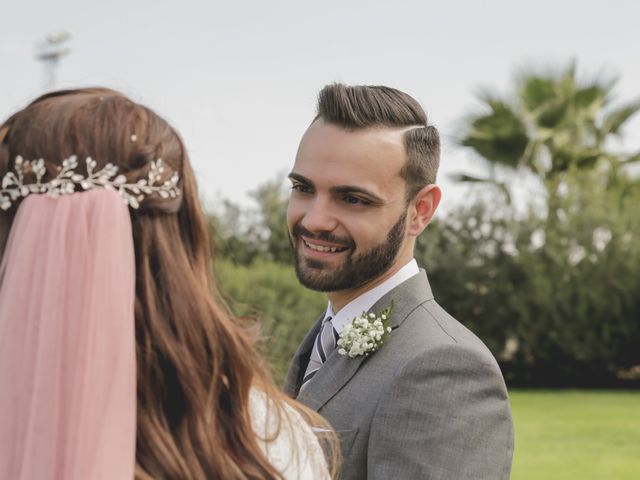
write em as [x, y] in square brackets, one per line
[576, 435]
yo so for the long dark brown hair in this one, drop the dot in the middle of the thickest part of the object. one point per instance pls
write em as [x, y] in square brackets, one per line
[196, 365]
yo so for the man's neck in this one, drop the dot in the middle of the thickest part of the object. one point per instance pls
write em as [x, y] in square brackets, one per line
[341, 298]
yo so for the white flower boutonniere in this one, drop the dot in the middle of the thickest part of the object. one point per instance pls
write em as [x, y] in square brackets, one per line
[365, 334]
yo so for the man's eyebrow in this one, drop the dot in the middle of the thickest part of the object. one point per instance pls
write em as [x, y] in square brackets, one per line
[341, 189]
[300, 178]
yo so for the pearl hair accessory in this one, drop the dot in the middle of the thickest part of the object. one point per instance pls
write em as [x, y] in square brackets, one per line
[64, 183]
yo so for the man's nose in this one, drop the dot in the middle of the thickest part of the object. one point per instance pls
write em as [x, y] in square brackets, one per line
[319, 217]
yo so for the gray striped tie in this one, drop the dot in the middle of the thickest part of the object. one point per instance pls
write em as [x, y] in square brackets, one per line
[323, 346]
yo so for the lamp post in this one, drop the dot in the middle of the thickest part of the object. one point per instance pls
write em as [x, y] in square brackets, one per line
[49, 53]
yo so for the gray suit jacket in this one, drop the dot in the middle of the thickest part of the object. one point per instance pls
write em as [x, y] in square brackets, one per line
[431, 403]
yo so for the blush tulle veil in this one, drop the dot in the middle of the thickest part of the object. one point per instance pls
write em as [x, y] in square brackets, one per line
[67, 340]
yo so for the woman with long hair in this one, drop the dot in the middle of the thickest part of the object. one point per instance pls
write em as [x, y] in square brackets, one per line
[116, 358]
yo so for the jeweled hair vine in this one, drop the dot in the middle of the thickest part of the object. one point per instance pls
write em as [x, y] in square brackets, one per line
[16, 186]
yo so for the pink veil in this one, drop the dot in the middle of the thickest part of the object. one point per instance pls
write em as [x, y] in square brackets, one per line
[67, 340]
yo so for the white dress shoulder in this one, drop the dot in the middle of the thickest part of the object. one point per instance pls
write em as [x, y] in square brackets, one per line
[287, 440]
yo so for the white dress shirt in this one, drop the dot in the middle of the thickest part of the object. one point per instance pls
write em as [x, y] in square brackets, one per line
[365, 301]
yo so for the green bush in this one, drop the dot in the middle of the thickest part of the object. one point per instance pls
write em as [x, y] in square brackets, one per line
[557, 303]
[270, 292]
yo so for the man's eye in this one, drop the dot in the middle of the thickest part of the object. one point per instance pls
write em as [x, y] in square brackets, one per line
[355, 200]
[299, 187]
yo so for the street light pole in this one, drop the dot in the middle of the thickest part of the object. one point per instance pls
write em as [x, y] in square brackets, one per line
[49, 53]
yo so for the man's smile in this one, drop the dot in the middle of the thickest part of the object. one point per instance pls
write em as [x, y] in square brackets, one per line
[322, 247]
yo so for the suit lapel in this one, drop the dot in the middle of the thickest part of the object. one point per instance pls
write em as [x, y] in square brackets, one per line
[300, 360]
[339, 369]
[405, 297]
[334, 374]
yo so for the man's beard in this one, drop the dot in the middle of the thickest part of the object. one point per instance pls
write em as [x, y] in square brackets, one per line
[356, 271]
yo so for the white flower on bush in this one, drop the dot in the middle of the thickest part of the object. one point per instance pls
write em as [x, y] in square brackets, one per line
[365, 334]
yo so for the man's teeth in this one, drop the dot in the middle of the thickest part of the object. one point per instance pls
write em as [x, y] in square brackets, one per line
[320, 248]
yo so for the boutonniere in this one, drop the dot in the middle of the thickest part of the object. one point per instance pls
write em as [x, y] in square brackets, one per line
[365, 334]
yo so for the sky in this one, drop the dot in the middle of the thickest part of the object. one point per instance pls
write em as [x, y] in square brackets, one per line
[239, 79]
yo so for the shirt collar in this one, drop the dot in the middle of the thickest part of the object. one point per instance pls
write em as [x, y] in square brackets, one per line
[365, 301]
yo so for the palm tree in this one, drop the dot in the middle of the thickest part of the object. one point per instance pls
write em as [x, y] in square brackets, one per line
[553, 123]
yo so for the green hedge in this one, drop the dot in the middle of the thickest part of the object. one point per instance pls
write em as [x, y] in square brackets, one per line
[270, 292]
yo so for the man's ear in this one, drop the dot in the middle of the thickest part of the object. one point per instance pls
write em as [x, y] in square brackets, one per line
[422, 208]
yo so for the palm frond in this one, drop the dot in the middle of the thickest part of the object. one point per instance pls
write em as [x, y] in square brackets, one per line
[615, 120]
[466, 178]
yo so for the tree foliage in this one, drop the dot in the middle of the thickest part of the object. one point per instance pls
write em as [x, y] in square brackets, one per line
[556, 307]
[244, 235]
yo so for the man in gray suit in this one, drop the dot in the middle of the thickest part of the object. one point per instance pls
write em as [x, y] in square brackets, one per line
[429, 401]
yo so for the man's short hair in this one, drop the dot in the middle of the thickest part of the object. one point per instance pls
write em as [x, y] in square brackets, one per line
[362, 106]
